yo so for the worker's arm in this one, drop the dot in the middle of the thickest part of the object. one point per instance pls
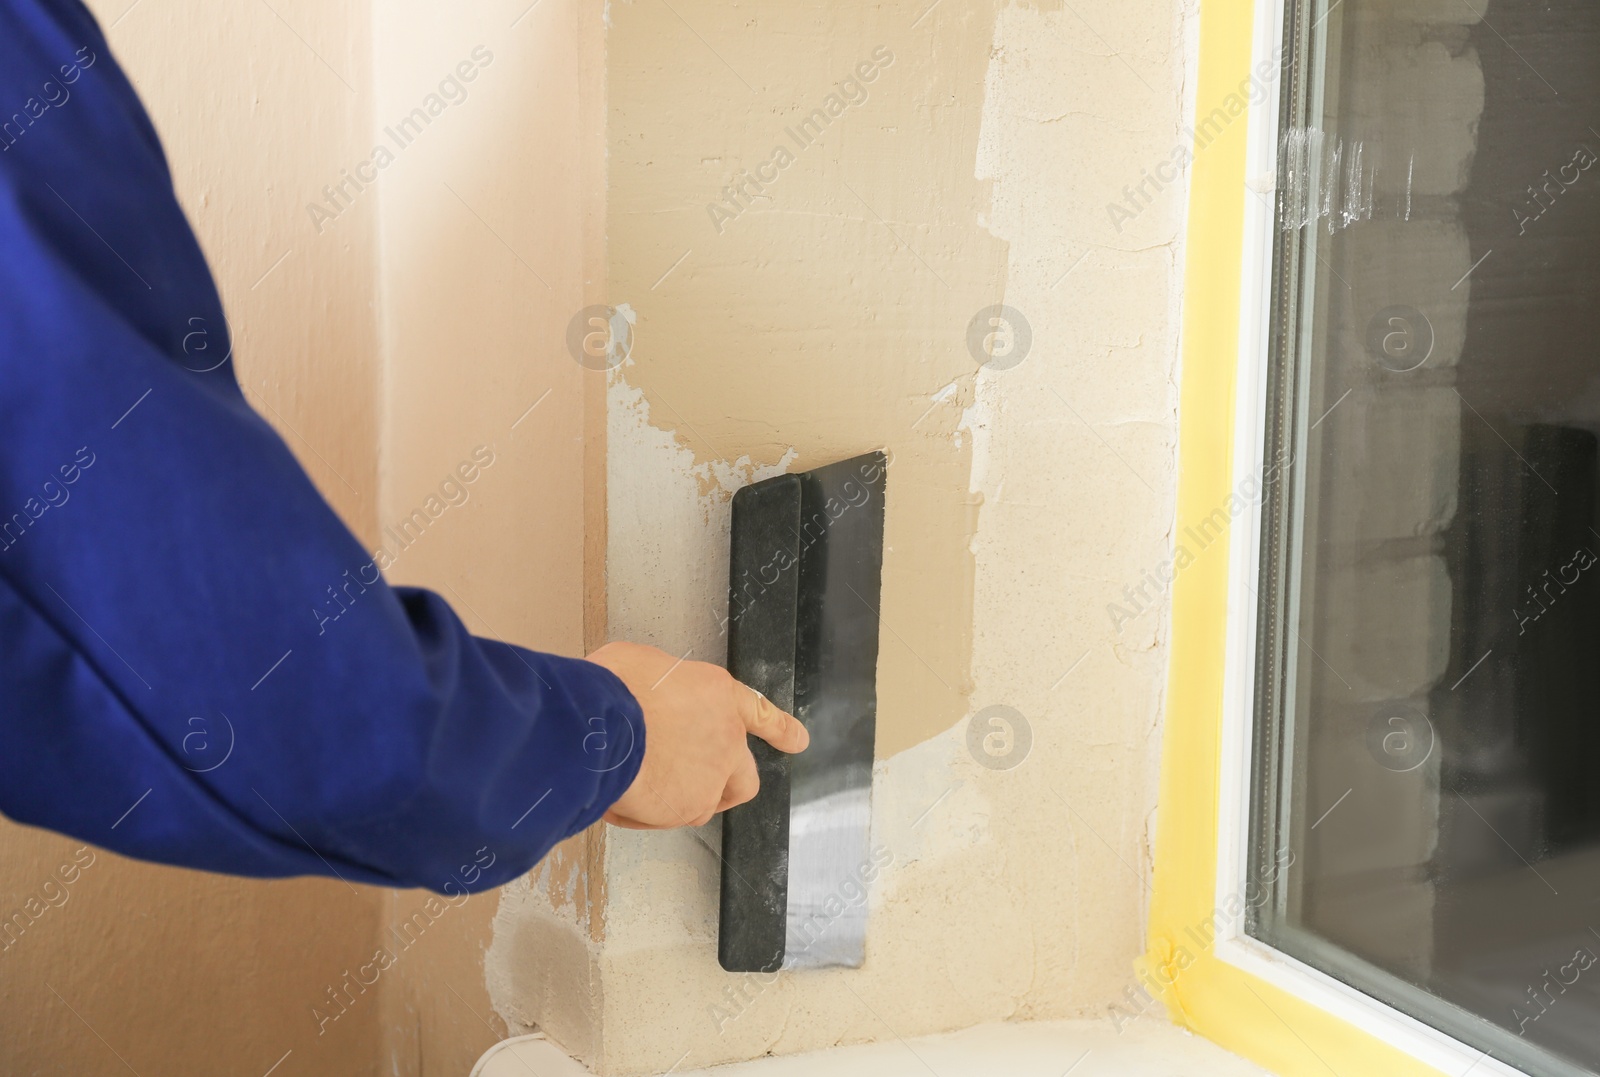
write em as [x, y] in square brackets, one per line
[201, 665]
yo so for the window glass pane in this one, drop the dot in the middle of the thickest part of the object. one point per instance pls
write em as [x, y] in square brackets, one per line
[1428, 667]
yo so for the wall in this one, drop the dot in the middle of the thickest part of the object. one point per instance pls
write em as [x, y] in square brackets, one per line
[823, 310]
[192, 973]
[826, 314]
[490, 244]
[388, 327]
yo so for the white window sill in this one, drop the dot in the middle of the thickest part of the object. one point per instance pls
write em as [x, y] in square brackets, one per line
[1147, 1048]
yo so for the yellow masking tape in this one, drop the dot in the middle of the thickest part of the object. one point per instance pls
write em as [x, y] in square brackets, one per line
[1241, 1012]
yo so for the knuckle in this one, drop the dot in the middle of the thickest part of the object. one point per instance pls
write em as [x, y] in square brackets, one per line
[761, 708]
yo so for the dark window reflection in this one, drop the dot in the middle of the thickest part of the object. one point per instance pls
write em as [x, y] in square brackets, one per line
[1429, 704]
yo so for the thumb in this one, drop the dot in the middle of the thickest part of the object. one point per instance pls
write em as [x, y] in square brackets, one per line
[762, 718]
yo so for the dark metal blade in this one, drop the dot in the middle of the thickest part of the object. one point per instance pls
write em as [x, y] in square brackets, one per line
[806, 571]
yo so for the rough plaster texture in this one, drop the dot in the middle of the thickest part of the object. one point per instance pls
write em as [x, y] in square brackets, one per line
[827, 314]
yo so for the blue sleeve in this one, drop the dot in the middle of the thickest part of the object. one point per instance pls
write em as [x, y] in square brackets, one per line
[173, 686]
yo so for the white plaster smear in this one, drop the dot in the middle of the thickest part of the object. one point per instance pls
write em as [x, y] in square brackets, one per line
[669, 521]
[1041, 1049]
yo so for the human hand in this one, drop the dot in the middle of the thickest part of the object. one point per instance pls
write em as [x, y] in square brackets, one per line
[696, 759]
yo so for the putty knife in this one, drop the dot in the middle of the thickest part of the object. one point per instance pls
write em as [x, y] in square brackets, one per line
[805, 574]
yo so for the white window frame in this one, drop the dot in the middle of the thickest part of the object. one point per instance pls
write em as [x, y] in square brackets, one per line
[1399, 1030]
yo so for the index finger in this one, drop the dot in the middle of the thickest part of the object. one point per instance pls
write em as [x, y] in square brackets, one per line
[762, 718]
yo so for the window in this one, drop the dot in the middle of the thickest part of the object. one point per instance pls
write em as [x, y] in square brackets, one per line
[1424, 750]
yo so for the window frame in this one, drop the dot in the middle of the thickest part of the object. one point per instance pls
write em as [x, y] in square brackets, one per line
[1238, 990]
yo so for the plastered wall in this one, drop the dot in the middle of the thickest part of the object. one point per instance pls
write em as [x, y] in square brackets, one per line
[804, 293]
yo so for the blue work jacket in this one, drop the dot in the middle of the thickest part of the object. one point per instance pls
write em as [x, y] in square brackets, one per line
[172, 686]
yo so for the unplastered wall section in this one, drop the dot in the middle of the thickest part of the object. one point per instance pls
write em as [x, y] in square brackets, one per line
[810, 264]
[135, 967]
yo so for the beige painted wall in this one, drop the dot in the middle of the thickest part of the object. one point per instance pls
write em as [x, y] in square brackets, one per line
[385, 354]
[491, 242]
[182, 972]
[826, 314]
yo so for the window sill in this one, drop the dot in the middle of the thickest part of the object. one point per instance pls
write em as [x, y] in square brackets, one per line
[1147, 1048]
